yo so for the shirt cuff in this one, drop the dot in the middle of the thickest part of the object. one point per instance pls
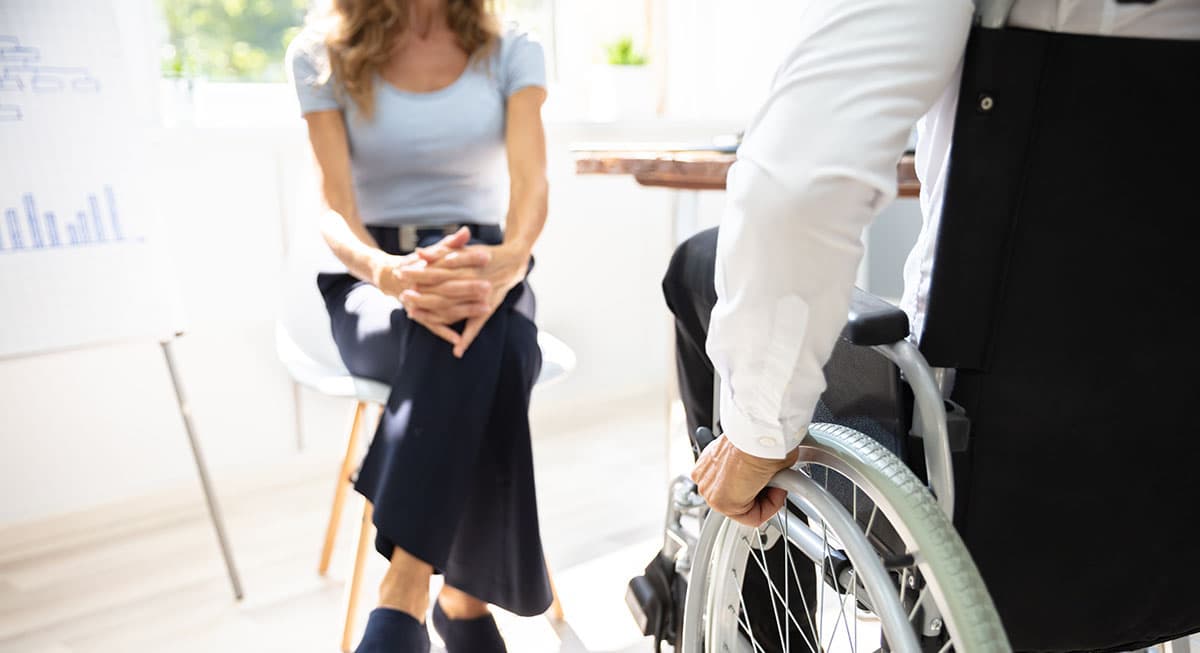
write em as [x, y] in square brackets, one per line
[753, 436]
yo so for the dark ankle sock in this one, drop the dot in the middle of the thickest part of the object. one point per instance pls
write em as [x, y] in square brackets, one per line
[393, 631]
[478, 635]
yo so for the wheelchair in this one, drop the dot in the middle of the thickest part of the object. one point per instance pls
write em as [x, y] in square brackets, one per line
[892, 569]
[1045, 420]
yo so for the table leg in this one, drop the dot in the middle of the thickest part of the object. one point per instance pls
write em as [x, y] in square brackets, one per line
[685, 222]
[685, 217]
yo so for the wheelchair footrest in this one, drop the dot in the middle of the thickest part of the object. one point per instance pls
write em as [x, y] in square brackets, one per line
[656, 600]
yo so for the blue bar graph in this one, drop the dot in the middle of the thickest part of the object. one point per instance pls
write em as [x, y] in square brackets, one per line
[35, 229]
[112, 212]
[40, 231]
[85, 235]
[94, 204]
[14, 229]
[52, 229]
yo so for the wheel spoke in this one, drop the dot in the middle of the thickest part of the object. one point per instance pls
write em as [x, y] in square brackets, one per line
[821, 575]
[854, 585]
[841, 599]
[770, 583]
[787, 559]
[871, 519]
[854, 640]
[841, 596]
[775, 591]
[808, 612]
[744, 621]
[917, 605]
[853, 611]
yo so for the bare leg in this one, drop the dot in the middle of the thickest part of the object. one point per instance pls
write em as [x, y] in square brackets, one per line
[405, 586]
[457, 604]
[465, 624]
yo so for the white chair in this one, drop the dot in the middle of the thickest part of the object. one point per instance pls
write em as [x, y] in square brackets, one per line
[319, 368]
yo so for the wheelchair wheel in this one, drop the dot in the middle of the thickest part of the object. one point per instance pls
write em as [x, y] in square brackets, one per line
[894, 574]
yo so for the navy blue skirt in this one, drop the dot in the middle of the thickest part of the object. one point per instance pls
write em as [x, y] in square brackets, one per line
[450, 470]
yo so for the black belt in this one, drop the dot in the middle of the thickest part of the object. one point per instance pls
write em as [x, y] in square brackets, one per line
[403, 239]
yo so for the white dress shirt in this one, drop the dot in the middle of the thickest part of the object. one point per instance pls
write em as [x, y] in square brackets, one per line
[818, 163]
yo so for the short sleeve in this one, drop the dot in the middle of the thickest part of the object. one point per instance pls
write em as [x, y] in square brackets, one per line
[308, 65]
[523, 62]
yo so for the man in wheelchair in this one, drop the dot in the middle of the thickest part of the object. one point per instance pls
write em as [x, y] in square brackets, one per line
[1048, 291]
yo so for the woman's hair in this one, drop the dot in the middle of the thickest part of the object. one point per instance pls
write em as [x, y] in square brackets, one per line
[360, 34]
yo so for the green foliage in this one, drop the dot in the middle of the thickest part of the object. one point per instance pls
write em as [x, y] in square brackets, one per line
[229, 40]
[621, 53]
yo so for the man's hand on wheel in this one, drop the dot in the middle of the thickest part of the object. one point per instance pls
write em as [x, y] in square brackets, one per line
[734, 483]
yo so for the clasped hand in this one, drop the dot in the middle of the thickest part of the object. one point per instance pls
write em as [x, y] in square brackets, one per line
[452, 281]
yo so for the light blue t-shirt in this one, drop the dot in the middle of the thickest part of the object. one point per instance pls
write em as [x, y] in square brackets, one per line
[426, 158]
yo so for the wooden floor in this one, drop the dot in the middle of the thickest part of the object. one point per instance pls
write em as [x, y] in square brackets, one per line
[146, 575]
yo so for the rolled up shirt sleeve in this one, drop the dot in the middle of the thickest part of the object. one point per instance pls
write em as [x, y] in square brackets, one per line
[817, 164]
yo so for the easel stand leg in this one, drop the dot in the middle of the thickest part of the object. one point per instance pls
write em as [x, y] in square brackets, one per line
[214, 510]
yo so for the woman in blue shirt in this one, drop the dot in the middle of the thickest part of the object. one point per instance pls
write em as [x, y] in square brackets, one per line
[414, 108]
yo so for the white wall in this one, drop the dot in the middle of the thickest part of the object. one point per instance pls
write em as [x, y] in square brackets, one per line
[86, 427]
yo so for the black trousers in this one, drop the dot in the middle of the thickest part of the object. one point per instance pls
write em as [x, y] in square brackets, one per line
[450, 470]
[689, 290]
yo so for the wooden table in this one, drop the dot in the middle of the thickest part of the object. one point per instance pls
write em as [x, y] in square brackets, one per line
[694, 170]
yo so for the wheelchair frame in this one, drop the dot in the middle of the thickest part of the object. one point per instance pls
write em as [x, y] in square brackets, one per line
[930, 424]
[872, 323]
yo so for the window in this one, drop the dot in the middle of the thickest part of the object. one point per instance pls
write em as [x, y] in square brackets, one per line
[245, 40]
[574, 34]
[536, 17]
[229, 40]
[707, 59]
[721, 54]
[222, 60]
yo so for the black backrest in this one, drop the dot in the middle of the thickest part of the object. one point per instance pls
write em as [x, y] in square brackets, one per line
[1062, 288]
[864, 392]
[1070, 215]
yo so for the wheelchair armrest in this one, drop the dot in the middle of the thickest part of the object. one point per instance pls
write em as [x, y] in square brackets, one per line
[873, 321]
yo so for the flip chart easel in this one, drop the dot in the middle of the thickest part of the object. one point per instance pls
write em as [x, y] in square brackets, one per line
[81, 259]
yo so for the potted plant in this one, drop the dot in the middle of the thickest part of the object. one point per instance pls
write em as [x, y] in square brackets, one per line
[623, 86]
[178, 86]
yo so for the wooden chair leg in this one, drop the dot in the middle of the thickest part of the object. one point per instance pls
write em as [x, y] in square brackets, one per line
[365, 538]
[556, 610]
[339, 491]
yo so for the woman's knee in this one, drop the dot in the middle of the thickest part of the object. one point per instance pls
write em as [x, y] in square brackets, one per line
[370, 364]
[369, 340]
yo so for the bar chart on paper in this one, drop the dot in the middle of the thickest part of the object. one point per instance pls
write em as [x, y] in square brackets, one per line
[31, 227]
[82, 252]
